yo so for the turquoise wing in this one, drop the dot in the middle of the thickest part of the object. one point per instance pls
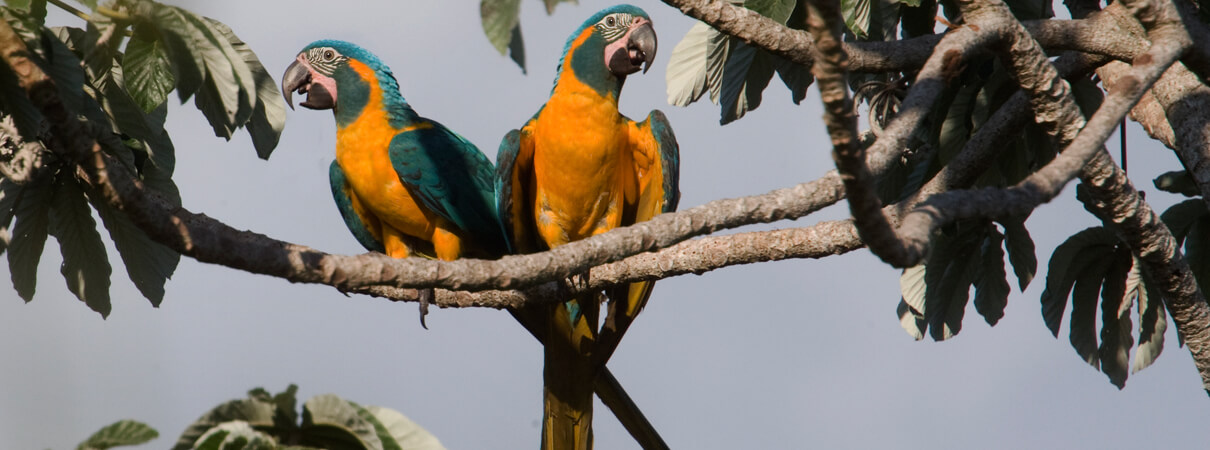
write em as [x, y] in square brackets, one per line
[341, 192]
[452, 178]
[670, 158]
[514, 175]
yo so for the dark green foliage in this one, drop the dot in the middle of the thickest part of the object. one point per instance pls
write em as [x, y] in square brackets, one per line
[32, 216]
[935, 294]
[122, 93]
[271, 421]
[1095, 266]
[85, 263]
[1177, 182]
[733, 72]
[118, 434]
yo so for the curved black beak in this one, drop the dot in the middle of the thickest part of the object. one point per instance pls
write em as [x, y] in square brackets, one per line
[642, 46]
[296, 78]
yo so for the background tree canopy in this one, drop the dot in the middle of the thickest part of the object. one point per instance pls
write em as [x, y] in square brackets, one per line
[731, 359]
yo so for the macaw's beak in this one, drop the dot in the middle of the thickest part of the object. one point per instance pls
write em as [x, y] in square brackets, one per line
[637, 51]
[301, 78]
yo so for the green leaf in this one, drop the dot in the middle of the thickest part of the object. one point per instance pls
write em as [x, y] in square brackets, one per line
[29, 237]
[991, 282]
[269, 116]
[235, 435]
[85, 264]
[332, 422]
[400, 429]
[1066, 263]
[1020, 248]
[118, 434]
[1083, 325]
[65, 69]
[796, 77]
[501, 21]
[255, 413]
[9, 194]
[1179, 218]
[949, 273]
[148, 71]
[778, 10]
[746, 73]
[696, 64]
[1197, 251]
[1031, 9]
[1152, 319]
[1116, 339]
[857, 16]
[911, 304]
[1177, 182]
[205, 65]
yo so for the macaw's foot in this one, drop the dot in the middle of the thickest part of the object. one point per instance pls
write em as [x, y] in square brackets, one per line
[426, 296]
[578, 282]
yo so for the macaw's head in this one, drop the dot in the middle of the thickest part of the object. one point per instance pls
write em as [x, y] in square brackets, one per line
[338, 75]
[610, 45]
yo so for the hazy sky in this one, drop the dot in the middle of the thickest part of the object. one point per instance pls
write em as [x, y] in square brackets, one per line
[792, 354]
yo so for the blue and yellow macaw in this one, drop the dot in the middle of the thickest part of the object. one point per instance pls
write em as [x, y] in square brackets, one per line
[579, 168]
[405, 185]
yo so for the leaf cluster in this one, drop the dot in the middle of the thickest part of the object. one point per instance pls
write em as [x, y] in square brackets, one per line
[115, 72]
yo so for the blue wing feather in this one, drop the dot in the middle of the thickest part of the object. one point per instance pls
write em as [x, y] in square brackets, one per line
[670, 158]
[340, 192]
[452, 178]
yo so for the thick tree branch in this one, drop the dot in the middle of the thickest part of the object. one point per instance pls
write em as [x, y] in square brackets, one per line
[1088, 36]
[208, 240]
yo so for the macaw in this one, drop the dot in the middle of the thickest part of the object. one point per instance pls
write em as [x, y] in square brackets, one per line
[579, 168]
[405, 185]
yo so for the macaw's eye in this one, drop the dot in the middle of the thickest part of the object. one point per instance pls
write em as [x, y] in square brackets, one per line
[329, 55]
[610, 21]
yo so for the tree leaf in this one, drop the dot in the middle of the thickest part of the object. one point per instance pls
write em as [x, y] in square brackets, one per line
[149, 76]
[1179, 218]
[689, 75]
[949, 273]
[911, 304]
[1152, 321]
[746, 73]
[1083, 325]
[269, 116]
[29, 237]
[120, 433]
[857, 16]
[85, 264]
[332, 422]
[1066, 263]
[991, 281]
[501, 20]
[1177, 182]
[796, 77]
[1197, 251]
[778, 10]
[205, 66]
[400, 429]
[9, 194]
[235, 435]
[1116, 302]
[1020, 248]
[149, 264]
[254, 412]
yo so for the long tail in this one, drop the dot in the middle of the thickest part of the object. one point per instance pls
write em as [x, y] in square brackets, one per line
[606, 386]
[625, 303]
[569, 374]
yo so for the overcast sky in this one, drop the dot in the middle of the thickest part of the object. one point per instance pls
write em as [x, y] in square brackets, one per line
[794, 354]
